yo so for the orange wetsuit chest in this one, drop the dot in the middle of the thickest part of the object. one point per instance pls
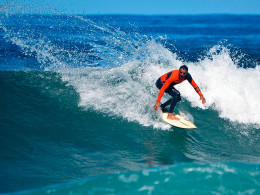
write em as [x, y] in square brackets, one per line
[173, 77]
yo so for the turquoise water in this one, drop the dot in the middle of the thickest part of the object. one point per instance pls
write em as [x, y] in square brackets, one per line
[77, 96]
[222, 178]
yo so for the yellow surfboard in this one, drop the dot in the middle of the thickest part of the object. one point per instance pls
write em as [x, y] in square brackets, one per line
[182, 123]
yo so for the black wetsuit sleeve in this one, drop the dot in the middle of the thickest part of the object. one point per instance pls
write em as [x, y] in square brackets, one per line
[169, 75]
[188, 77]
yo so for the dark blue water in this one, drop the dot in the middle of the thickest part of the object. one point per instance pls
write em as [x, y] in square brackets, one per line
[77, 96]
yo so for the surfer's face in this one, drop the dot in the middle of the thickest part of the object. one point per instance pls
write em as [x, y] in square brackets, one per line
[182, 73]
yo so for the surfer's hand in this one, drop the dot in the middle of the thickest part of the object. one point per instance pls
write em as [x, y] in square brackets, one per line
[157, 105]
[203, 99]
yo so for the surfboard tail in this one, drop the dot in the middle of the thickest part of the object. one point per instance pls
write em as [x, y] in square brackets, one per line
[186, 122]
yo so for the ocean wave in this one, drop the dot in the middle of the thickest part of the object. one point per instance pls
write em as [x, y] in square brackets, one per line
[82, 89]
[129, 65]
[218, 178]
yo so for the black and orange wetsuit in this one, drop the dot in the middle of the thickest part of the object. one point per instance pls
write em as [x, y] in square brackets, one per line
[166, 84]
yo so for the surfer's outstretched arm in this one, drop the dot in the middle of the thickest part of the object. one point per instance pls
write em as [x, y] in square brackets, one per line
[196, 87]
[164, 87]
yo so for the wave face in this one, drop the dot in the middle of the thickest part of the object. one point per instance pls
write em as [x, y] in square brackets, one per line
[82, 89]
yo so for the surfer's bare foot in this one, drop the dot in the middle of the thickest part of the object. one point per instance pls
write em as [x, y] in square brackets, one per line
[172, 117]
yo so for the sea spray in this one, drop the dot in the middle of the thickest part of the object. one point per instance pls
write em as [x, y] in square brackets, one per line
[129, 66]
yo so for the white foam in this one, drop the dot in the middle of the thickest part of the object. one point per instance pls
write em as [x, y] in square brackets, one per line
[234, 92]
[126, 91]
[129, 91]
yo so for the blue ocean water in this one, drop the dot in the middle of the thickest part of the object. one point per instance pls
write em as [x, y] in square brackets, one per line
[77, 96]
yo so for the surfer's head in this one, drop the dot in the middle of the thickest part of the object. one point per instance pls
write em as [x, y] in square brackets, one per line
[183, 70]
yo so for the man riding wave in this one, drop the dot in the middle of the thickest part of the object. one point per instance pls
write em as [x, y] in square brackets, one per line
[166, 84]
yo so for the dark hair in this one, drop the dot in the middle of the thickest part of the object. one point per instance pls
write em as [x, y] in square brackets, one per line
[184, 67]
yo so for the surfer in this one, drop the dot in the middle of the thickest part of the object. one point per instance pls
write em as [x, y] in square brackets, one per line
[166, 84]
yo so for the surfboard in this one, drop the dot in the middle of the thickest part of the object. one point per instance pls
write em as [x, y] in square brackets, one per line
[182, 123]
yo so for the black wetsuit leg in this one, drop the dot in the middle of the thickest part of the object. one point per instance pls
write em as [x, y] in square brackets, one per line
[176, 96]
